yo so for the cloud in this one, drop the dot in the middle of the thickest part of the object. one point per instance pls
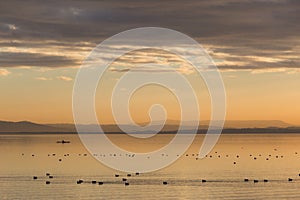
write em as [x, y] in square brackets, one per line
[254, 34]
[152, 60]
[23, 59]
[43, 78]
[269, 70]
[4, 72]
[64, 78]
[85, 20]
[294, 71]
[255, 59]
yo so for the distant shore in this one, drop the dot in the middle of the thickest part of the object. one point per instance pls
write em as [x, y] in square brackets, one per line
[290, 130]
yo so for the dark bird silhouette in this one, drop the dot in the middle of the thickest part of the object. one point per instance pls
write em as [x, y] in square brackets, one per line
[63, 141]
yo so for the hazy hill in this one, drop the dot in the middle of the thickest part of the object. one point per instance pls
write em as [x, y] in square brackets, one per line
[25, 126]
[254, 124]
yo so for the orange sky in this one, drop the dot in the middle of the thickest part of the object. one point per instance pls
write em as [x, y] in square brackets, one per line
[250, 96]
[255, 45]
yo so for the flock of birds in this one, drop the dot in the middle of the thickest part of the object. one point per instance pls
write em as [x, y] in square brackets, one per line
[254, 157]
[126, 180]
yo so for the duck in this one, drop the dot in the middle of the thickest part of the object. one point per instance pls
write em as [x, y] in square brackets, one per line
[63, 141]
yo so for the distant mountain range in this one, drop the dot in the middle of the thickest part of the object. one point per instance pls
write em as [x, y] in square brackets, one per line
[251, 126]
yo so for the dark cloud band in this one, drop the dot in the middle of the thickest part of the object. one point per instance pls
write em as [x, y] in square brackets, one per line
[239, 28]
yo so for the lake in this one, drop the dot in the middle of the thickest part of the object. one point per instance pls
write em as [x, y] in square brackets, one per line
[271, 157]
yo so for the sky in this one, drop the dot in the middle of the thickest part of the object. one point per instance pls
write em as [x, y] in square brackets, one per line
[255, 45]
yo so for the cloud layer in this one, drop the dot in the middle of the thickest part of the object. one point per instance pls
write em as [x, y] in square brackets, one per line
[4, 72]
[239, 35]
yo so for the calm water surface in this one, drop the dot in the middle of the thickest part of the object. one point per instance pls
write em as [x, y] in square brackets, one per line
[275, 157]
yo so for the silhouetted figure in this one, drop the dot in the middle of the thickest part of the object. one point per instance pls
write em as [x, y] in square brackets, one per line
[94, 182]
[124, 179]
[126, 183]
[79, 181]
[165, 183]
[265, 180]
[203, 181]
[35, 177]
[246, 180]
[290, 179]
[117, 175]
[47, 182]
[100, 183]
[50, 176]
